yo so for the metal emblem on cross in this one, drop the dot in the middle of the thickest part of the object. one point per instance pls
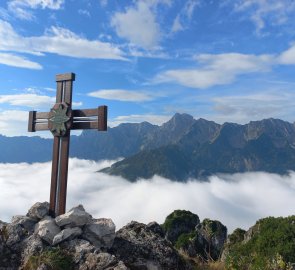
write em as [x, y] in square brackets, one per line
[60, 121]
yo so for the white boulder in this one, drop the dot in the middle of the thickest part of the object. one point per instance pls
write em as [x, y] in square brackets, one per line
[47, 229]
[38, 210]
[100, 232]
[76, 217]
[67, 234]
[27, 223]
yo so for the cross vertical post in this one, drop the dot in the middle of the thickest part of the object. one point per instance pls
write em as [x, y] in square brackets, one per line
[60, 121]
[59, 173]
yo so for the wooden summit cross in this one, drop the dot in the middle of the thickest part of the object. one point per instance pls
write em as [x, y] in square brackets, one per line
[60, 121]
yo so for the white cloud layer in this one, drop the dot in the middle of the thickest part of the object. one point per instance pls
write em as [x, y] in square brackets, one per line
[236, 200]
[121, 95]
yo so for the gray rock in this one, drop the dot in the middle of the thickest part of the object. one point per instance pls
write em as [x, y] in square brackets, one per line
[13, 234]
[140, 248]
[43, 267]
[27, 223]
[156, 228]
[47, 229]
[102, 261]
[67, 234]
[2, 224]
[79, 248]
[206, 242]
[38, 210]
[251, 232]
[100, 232]
[31, 246]
[76, 217]
[87, 257]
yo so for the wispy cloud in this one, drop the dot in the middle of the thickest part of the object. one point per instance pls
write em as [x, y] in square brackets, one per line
[217, 69]
[184, 16]
[22, 9]
[4, 14]
[244, 108]
[15, 123]
[139, 118]
[122, 95]
[28, 100]
[221, 69]
[56, 40]
[13, 60]
[84, 12]
[288, 57]
[177, 25]
[266, 12]
[236, 200]
[130, 24]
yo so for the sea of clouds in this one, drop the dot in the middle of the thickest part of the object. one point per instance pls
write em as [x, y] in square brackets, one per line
[237, 200]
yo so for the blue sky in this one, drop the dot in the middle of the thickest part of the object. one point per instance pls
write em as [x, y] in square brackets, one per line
[227, 60]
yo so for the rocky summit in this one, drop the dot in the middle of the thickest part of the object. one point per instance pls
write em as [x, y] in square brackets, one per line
[76, 240]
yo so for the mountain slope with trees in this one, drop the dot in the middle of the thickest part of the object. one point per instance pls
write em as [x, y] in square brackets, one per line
[208, 148]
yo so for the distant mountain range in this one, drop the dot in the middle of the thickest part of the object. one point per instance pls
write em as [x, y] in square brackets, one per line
[180, 149]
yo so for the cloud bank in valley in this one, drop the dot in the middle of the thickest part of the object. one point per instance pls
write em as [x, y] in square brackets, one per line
[236, 200]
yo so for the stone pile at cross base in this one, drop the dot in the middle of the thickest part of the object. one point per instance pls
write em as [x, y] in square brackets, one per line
[90, 243]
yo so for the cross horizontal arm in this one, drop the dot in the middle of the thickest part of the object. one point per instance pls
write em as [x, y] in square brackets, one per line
[82, 119]
[76, 113]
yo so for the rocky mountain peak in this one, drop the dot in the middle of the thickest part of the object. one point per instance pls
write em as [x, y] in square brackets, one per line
[77, 241]
[179, 121]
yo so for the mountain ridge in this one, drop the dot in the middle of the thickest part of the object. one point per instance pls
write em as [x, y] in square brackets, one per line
[209, 148]
[180, 149]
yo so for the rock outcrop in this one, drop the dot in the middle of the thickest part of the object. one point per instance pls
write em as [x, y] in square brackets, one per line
[203, 240]
[142, 248]
[206, 241]
[179, 222]
[76, 241]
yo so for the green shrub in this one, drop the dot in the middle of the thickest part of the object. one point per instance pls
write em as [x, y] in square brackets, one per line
[55, 259]
[272, 246]
[4, 233]
[184, 239]
[180, 216]
[237, 236]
